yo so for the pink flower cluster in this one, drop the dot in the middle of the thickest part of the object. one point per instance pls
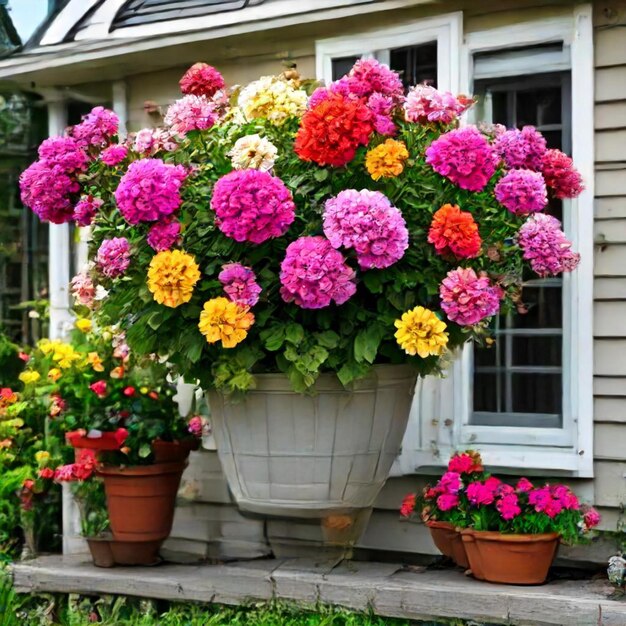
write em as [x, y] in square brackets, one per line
[426, 104]
[521, 148]
[240, 284]
[96, 128]
[65, 152]
[483, 492]
[366, 221]
[114, 155]
[113, 256]
[507, 503]
[522, 192]
[553, 499]
[190, 113]
[468, 462]
[149, 141]
[313, 274]
[149, 190]
[82, 288]
[468, 299]
[163, 235]
[546, 247]
[196, 426]
[86, 209]
[561, 176]
[446, 491]
[464, 156]
[201, 80]
[251, 205]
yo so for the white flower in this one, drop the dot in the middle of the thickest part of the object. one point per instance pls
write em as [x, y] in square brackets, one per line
[101, 293]
[272, 98]
[253, 152]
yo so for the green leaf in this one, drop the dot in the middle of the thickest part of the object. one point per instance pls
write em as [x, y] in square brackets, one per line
[273, 337]
[320, 175]
[145, 450]
[351, 371]
[328, 339]
[294, 333]
[373, 282]
[366, 343]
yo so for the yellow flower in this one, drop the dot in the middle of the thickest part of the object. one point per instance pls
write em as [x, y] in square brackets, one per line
[387, 159]
[64, 354]
[42, 457]
[54, 374]
[84, 325]
[274, 98]
[421, 332]
[225, 321]
[28, 377]
[143, 390]
[171, 277]
[46, 346]
[93, 359]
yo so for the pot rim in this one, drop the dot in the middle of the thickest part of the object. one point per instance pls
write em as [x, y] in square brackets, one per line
[494, 535]
[141, 470]
[434, 523]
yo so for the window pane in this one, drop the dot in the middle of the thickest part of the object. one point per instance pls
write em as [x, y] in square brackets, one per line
[342, 66]
[544, 305]
[487, 392]
[543, 350]
[415, 64]
[533, 393]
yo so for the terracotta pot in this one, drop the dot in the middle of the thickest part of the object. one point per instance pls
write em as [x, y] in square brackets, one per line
[141, 500]
[173, 451]
[136, 552]
[101, 552]
[510, 559]
[448, 541]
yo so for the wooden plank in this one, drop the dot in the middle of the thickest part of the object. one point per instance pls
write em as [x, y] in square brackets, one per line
[610, 409]
[609, 47]
[612, 207]
[610, 84]
[609, 14]
[609, 441]
[609, 289]
[610, 260]
[611, 182]
[609, 386]
[610, 483]
[610, 144]
[610, 115]
[609, 319]
[609, 357]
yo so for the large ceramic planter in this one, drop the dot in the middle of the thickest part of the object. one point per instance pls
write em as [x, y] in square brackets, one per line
[140, 502]
[322, 456]
[510, 559]
[448, 541]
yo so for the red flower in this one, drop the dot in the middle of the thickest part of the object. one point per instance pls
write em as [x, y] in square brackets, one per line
[408, 505]
[24, 357]
[99, 388]
[129, 391]
[454, 233]
[465, 463]
[201, 80]
[154, 395]
[29, 484]
[331, 131]
[84, 470]
[46, 473]
[561, 176]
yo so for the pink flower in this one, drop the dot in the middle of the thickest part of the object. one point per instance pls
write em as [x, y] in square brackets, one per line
[522, 192]
[65, 152]
[465, 463]
[150, 141]
[99, 388]
[426, 104]
[591, 518]
[408, 505]
[196, 426]
[468, 299]
[561, 176]
[521, 148]
[366, 221]
[508, 506]
[86, 209]
[313, 274]
[97, 127]
[114, 155]
[190, 113]
[163, 235]
[450, 482]
[483, 493]
[150, 190]
[65, 473]
[83, 289]
[240, 284]
[464, 156]
[201, 80]
[545, 246]
[369, 76]
[447, 501]
[251, 205]
[524, 485]
[566, 496]
[382, 107]
[113, 256]
[544, 502]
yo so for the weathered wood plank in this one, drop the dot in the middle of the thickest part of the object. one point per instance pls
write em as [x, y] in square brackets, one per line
[609, 319]
[609, 47]
[612, 207]
[610, 144]
[610, 83]
[611, 182]
[610, 231]
[609, 386]
[609, 289]
[610, 483]
[610, 260]
[610, 409]
[608, 357]
[610, 115]
[609, 441]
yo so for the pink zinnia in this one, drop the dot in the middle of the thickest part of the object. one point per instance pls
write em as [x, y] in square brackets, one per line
[591, 518]
[382, 107]
[314, 274]
[366, 221]
[64, 151]
[196, 426]
[426, 104]
[240, 284]
[150, 190]
[251, 205]
[99, 388]
[524, 485]
[149, 141]
[86, 209]
[468, 299]
[369, 76]
[508, 506]
[114, 155]
[163, 235]
[190, 113]
[464, 156]
[561, 176]
[521, 148]
[450, 482]
[447, 501]
[201, 80]
[113, 256]
[83, 289]
[97, 127]
[522, 192]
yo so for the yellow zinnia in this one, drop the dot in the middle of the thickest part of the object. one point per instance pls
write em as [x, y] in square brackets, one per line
[42, 457]
[93, 359]
[421, 332]
[64, 354]
[225, 321]
[171, 277]
[28, 377]
[387, 159]
[84, 325]
[54, 374]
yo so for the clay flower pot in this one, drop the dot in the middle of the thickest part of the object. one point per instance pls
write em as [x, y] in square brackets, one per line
[448, 541]
[173, 451]
[101, 553]
[141, 500]
[510, 559]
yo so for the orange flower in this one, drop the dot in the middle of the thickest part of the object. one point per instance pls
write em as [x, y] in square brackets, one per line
[117, 372]
[454, 233]
[386, 160]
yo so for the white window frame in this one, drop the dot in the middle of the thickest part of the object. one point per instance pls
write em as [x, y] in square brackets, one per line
[439, 422]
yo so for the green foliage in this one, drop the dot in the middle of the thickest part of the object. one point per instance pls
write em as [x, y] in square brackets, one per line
[10, 363]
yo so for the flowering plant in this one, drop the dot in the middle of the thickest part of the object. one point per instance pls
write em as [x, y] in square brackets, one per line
[272, 230]
[468, 497]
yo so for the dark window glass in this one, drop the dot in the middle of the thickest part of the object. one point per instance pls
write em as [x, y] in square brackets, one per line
[342, 66]
[415, 64]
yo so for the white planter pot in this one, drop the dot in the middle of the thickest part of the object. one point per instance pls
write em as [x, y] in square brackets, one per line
[324, 455]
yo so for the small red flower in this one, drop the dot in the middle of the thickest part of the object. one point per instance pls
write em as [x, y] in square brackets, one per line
[29, 484]
[154, 395]
[408, 505]
[24, 357]
[47, 473]
[129, 391]
[454, 233]
[99, 388]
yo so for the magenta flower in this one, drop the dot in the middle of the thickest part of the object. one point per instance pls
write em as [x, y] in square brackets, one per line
[426, 104]
[251, 205]
[65, 152]
[480, 493]
[163, 235]
[366, 221]
[508, 506]
[447, 501]
[149, 190]
[196, 426]
[521, 148]
[113, 256]
[468, 299]
[97, 127]
[83, 290]
[201, 80]
[382, 107]
[561, 176]
[544, 502]
[190, 113]
[464, 156]
[86, 209]
[240, 284]
[313, 274]
[591, 518]
[450, 482]
[522, 192]
[524, 485]
[369, 76]
[545, 246]
[566, 496]
[114, 155]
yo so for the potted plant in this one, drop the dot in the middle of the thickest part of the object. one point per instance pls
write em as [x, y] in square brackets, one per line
[305, 254]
